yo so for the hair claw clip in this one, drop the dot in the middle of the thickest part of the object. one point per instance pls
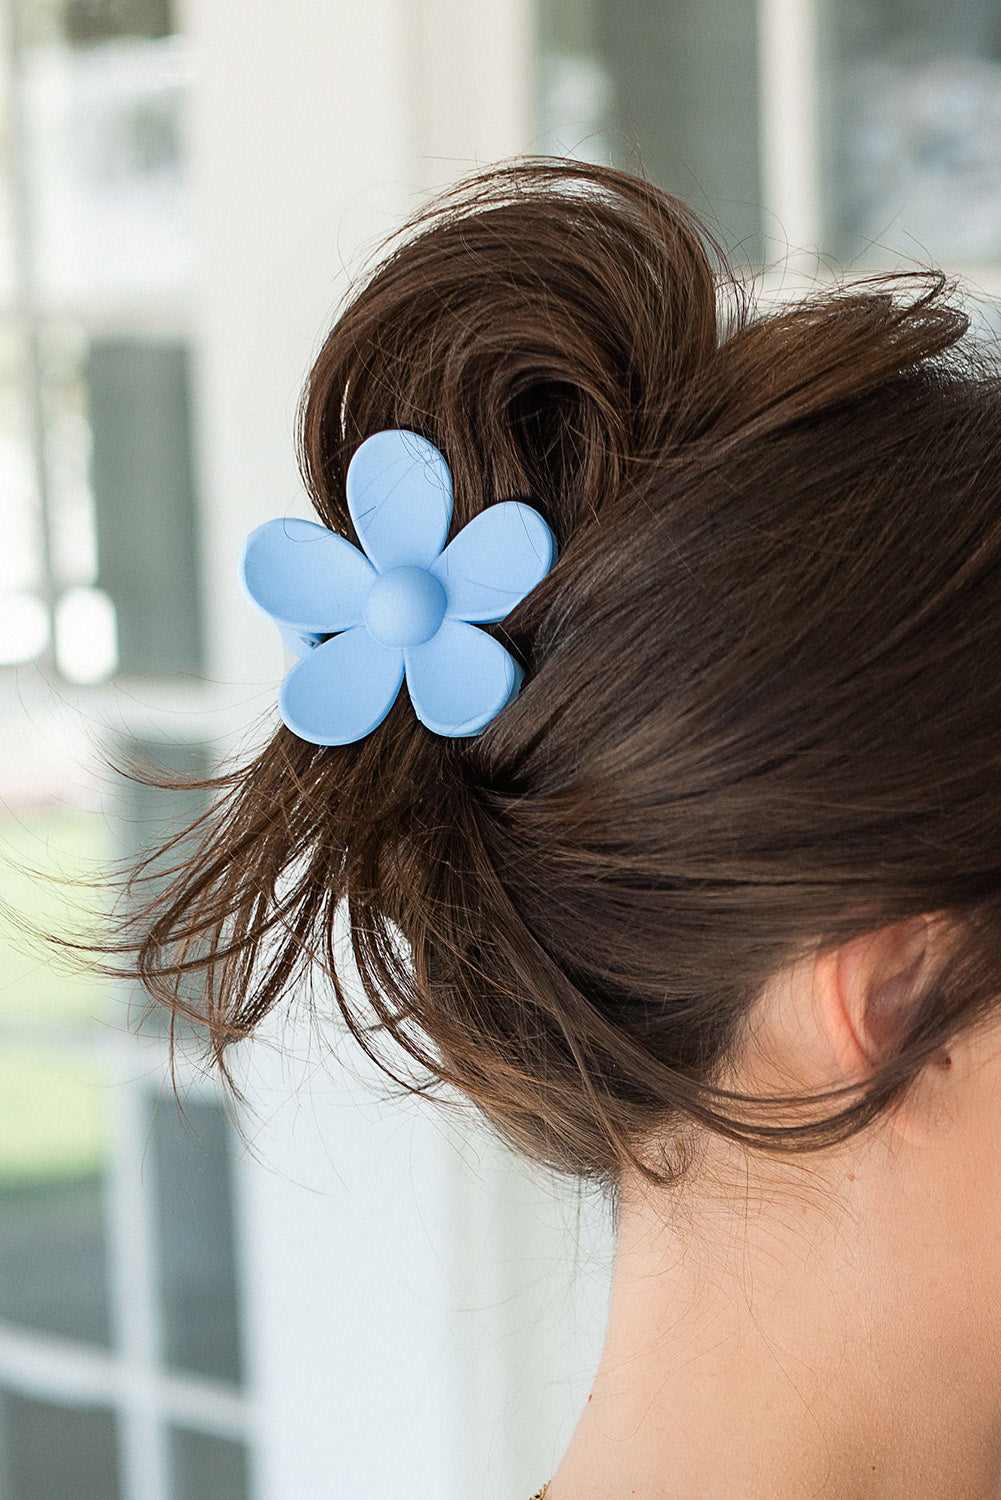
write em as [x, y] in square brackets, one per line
[403, 608]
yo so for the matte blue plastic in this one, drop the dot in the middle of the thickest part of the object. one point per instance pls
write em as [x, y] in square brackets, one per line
[305, 575]
[342, 689]
[399, 491]
[404, 606]
[495, 561]
[364, 623]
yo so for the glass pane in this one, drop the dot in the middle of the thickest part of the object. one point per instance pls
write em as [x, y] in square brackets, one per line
[121, 504]
[81, 22]
[141, 473]
[194, 1214]
[68, 442]
[144, 818]
[105, 91]
[911, 96]
[50, 1452]
[123, 512]
[577, 93]
[8, 210]
[23, 618]
[663, 86]
[53, 1272]
[53, 1258]
[204, 1467]
[38, 843]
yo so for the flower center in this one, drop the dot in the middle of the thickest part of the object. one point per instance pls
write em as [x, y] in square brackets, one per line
[405, 606]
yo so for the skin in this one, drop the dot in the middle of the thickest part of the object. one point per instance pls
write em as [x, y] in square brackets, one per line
[826, 1327]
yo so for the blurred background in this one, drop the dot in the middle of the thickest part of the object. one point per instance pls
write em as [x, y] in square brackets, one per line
[329, 1294]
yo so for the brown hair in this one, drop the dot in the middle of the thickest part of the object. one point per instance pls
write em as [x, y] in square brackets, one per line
[762, 706]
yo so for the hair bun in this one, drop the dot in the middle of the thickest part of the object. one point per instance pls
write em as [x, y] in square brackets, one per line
[540, 323]
[767, 534]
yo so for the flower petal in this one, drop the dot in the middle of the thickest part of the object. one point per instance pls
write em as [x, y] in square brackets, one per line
[400, 497]
[460, 678]
[341, 689]
[494, 561]
[306, 576]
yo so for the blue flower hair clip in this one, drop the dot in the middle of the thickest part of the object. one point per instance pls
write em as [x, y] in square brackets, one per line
[361, 622]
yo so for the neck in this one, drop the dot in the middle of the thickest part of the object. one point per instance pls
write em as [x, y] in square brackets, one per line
[800, 1350]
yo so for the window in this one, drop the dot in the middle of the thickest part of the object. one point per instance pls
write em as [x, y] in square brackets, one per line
[120, 1330]
[665, 88]
[911, 139]
[869, 130]
[96, 261]
[122, 1366]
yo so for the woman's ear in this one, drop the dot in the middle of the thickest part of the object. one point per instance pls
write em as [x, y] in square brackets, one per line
[865, 993]
[834, 1018]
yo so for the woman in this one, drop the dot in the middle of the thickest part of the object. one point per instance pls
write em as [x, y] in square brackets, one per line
[702, 900]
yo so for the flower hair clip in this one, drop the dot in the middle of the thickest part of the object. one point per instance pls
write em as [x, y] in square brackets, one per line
[403, 608]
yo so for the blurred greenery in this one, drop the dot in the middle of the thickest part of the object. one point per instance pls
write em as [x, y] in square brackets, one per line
[73, 845]
[51, 1107]
[52, 1116]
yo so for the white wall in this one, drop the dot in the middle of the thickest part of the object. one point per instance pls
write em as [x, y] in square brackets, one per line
[415, 1324]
